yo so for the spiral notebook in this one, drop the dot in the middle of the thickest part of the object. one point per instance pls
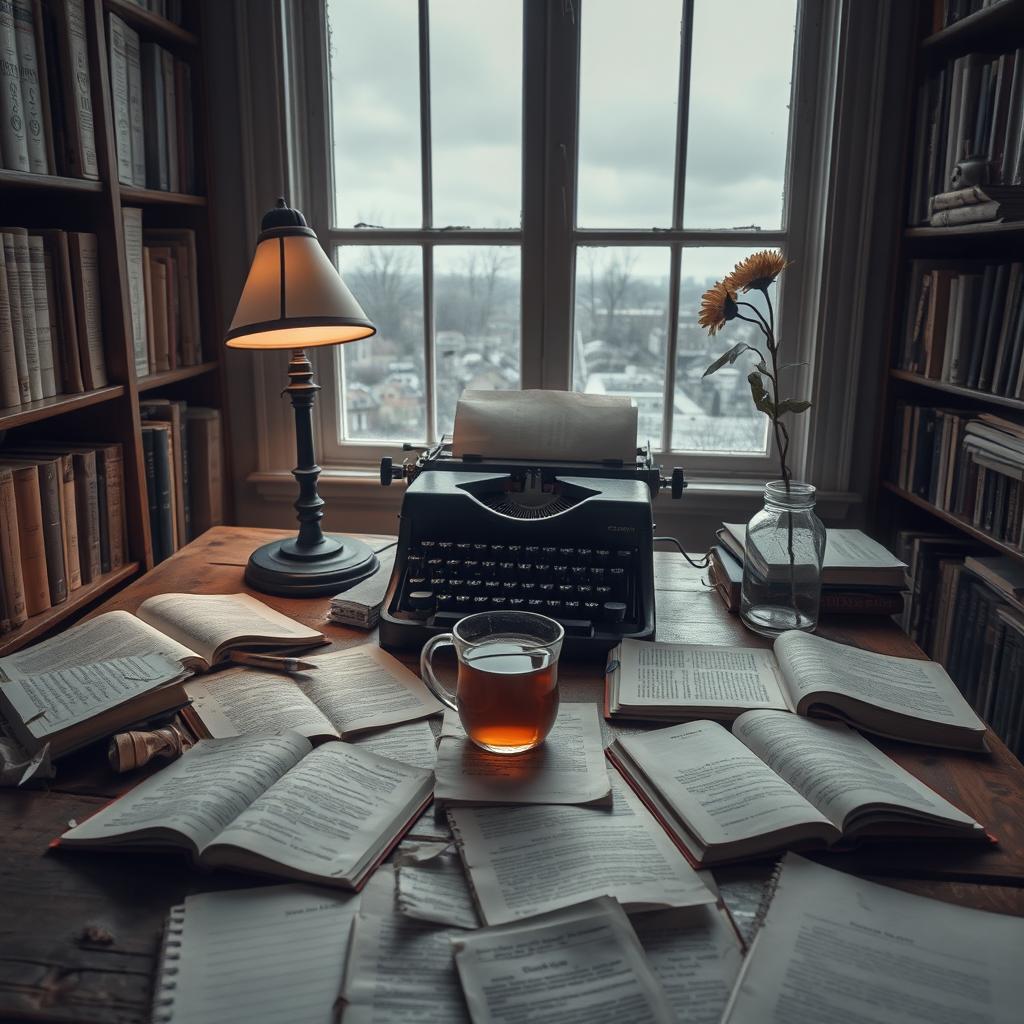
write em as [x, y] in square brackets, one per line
[260, 955]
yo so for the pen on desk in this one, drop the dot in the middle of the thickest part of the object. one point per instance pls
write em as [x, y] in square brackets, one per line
[271, 661]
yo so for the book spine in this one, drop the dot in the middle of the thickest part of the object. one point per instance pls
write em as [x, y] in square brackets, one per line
[27, 311]
[85, 274]
[113, 476]
[171, 120]
[44, 339]
[119, 100]
[10, 379]
[203, 434]
[10, 551]
[69, 523]
[151, 493]
[135, 107]
[154, 117]
[53, 318]
[37, 117]
[82, 156]
[53, 539]
[31, 543]
[13, 139]
[104, 517]
[132, 218]
[87, 501]
[162, 475]
[63, 302]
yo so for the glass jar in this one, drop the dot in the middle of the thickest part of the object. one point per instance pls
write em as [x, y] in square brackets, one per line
[784, 551]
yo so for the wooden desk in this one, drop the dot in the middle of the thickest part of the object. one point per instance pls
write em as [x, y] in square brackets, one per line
[50, 970]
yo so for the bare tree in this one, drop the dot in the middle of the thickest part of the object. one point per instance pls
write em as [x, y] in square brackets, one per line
[386, 286]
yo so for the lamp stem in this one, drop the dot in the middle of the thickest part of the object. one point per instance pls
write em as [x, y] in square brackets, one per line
[309, 507]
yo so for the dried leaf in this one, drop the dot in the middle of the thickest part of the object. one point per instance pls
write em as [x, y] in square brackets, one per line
[728, 357]
[793, 405]
[761, 398]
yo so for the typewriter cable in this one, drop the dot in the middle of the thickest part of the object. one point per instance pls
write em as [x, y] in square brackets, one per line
[700, 563]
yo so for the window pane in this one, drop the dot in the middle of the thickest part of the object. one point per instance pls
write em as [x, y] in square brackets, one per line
[620, 337]
[739, 113]
[476, 72]
[629, 83]
[375, 112]
[476, 323]
[716, 413]
[384, 390]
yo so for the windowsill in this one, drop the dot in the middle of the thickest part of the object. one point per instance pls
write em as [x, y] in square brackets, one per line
[726, 499]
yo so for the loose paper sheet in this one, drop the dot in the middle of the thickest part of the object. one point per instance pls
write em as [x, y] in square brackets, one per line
[584, 964]
[567, 768]
[262, 955]
[846, 549]
[530, 860]
[413, 743]
[834, 947]
[549, 425]
[436, 890]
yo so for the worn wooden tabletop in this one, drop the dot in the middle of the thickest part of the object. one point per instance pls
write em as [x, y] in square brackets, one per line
[53, 969]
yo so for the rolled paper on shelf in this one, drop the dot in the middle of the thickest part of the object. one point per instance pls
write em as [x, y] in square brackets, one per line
[131, 750]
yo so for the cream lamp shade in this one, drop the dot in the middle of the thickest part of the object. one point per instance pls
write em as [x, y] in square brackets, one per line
[294, 296]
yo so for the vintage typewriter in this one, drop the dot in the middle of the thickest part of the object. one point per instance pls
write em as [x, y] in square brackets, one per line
[571, 540]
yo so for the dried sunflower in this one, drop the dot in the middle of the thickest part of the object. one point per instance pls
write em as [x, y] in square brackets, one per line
[758, 270]
[717, 306]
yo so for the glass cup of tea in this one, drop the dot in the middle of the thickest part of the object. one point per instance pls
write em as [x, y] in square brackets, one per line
[506, 695]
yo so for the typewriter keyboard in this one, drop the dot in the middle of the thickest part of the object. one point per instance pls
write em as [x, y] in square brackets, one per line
[445, 580]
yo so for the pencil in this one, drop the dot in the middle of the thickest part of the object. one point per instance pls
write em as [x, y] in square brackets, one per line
[271, 661]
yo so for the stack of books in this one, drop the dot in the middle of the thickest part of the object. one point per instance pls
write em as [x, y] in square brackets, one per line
[62, 523]
[182, 448]
[51, 329]
[973, 108]
[859, 575]
[151, 91]
[972, 466]
[965, 325]
[991, 204]
[163, 292]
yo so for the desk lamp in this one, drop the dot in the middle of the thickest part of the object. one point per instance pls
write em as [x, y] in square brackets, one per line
[294, 299]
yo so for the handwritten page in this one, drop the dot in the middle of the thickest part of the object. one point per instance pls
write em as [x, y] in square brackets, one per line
[262, 955]
[412, 743]
[833, 945]
[530, 860]
[567, 768]
[53, 701]
[580, 965]
[550, 425]
[436, 890]
[695, 953]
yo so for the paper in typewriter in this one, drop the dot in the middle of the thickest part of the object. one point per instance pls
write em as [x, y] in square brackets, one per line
[550, 425]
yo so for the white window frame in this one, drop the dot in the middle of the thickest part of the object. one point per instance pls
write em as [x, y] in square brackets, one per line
[849, 85]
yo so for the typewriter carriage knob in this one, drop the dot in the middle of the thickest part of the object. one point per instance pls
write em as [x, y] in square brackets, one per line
[677, 482]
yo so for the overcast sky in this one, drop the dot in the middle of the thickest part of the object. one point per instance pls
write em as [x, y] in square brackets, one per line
[739, 96]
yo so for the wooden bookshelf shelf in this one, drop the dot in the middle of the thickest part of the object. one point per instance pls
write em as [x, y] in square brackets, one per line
[150, 24]
[13, 180]
[956, 389]
[1004, 16]
[77, 601]
[958, 521]
[32, 412]
[967, 231]
[156, 197]
[156, 380]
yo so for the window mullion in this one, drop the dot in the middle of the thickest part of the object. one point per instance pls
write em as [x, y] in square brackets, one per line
[682, 114]
[672, 346]
[428, 342]
[427, 190]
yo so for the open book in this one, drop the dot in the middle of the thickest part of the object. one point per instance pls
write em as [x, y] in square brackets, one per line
[901, 698]
[271, 805]
[775, 782]
[351, 691]
[834, 947]
[197, 630]
[71, 707]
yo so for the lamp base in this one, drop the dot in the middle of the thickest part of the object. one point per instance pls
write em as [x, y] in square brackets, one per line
[331, 567]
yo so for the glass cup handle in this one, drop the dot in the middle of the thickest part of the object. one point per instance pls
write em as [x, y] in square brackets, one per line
[427, 671]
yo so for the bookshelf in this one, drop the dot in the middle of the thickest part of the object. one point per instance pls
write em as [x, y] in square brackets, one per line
[112, 413]
[993, 30]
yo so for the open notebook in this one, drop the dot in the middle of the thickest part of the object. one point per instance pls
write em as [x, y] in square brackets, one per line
[268, 804]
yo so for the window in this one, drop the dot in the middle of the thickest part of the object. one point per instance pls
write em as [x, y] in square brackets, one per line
[536, 194]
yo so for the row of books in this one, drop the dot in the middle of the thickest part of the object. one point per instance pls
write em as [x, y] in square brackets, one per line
[172, 10]
[965, 611]
[971, 109]
[46, 113]
[965, 325]
[51, 332]
[154, 133]
[62, 523]
[184, 485]
[163, 292]
[971, 466]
